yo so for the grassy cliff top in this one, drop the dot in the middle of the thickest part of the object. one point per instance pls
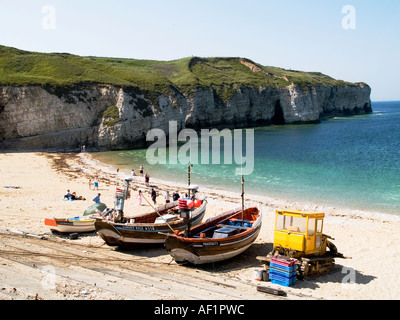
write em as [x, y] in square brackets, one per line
[19, 68]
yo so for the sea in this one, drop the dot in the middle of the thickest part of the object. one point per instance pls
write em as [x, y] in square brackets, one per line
[348, 161]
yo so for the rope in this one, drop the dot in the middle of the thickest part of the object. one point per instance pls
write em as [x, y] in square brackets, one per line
[156, 210]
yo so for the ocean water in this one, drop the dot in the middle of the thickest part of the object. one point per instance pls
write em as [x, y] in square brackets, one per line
[351, 162]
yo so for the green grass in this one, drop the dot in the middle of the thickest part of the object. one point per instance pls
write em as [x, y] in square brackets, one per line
[111, 116]
[58, 72]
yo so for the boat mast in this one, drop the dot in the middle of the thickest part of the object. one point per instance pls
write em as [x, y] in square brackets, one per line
[116, 180]
[186, 215]
[189, 173]
[242, 200]
[120, 197]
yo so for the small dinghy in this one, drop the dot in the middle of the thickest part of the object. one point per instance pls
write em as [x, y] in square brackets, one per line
[70, 225]
[77, 224]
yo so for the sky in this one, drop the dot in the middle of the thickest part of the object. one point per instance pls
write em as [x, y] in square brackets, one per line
[351, 40]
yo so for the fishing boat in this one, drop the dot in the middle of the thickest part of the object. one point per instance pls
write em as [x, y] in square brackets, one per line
[70, 225]
[220, 238]
[151, 228]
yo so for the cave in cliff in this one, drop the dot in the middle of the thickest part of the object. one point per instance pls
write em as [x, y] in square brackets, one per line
[278, 117]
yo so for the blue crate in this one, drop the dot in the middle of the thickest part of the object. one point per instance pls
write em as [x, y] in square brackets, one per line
[282, 267]
[238, 223]
[282, 273]
[283, 281]
[274, 274]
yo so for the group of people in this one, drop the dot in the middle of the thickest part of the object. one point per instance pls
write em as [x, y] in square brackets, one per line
[72, 196]
[175, 197]
[153, 196]
[95, 184]
[141, 172]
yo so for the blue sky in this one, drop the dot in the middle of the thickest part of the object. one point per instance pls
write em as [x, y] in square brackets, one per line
[292, 34]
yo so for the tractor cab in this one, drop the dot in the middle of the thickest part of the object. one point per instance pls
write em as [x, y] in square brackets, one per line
[300, 232]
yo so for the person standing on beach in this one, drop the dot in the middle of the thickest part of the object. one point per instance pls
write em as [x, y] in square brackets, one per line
[153, 195]
[175, 196]
[167, 197]
[90, 184]
[141, 169]
[147, 179]
[97, 198]
[139, 198]
[96, 183]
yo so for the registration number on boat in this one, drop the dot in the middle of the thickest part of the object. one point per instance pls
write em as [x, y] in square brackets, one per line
[137, 228]
[211, 244]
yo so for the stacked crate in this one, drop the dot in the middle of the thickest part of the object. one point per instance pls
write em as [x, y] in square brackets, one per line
[283, 271]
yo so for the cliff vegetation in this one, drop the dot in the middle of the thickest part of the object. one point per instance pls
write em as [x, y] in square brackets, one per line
[59, 73]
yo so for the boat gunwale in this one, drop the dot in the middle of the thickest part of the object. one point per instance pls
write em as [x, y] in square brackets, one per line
[67, 222]
[222, 240]
[222, 216]
[198, 212]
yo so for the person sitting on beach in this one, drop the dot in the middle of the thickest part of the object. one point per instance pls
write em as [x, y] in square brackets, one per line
[75, 197]
[68, 195]
[133, 174]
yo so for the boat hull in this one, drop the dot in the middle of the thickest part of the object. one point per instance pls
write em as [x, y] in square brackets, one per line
[133, 235]
[207, 250]
[70, 225]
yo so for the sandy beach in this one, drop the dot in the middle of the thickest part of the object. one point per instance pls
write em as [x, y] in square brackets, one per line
[32, 186]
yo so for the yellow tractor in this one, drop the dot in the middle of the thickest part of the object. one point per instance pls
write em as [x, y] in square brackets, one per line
[299, 235]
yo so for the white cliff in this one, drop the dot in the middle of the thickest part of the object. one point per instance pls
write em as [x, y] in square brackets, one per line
[32, 118]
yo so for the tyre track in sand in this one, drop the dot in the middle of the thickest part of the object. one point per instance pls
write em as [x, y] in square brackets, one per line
[28, 265]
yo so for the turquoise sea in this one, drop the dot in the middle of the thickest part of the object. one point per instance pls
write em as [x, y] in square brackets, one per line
[349, 162]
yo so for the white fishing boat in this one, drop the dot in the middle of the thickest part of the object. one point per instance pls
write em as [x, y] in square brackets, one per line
[70, 225]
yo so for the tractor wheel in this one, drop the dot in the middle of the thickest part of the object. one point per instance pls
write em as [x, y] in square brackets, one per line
[332, 248]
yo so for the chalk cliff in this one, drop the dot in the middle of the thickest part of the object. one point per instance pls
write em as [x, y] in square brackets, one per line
[34, 118]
